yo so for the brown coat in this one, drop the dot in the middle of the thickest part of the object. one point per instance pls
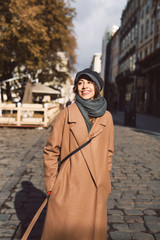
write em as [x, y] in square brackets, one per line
[77, 204]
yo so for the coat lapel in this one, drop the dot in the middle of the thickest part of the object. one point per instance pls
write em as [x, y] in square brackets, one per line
[80, 132]
[78, 125]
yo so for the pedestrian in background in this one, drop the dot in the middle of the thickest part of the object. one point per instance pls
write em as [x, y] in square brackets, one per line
[77, 207]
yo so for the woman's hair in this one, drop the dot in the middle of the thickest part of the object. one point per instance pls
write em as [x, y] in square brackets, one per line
[75, 88]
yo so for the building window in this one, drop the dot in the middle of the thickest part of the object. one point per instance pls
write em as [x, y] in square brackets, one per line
[148, 6]
[131, 63]
[152, 25]
[151, 49]
[140, 55]
[146, 52]
[136, 31]
[127, 66]
[157, 29]
[142, 13]
[129, 37]
[157, 44]
[158, 11]
[127, 40]
[123, 43]
[142, 33]
[132, 34]
[134, 61]
[147, 29]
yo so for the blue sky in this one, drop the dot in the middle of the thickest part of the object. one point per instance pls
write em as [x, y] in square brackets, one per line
[92, 20]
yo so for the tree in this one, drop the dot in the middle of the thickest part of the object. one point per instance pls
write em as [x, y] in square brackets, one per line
[58, 18]
[31, 34]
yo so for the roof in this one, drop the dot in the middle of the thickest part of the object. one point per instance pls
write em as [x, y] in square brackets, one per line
[40, 88]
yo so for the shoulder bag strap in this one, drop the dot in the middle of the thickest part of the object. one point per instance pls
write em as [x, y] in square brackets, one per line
[72, 153]
[34, 220]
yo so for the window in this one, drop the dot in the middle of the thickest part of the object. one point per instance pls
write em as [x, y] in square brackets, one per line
[134, 61]
[151, 48]
[129, 37]
[146, 52]
[132, 34]
[140, 55]
[148, 6]
[157, 29]
[142, 33]
[152, 25]
[131, 63]
[147, 29]
[157, 44]
[126, 39]
[136, 31]
[158, 11]
[142, 13]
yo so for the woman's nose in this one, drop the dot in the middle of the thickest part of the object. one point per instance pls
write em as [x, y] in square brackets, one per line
[84, 85]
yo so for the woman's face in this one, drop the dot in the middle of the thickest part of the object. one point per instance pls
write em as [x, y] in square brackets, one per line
[86, 89]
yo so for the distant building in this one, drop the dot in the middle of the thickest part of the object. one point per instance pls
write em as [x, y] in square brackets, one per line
[140, 42]
[127, 52]
[110, 66]
[148, 96]
[96, 62]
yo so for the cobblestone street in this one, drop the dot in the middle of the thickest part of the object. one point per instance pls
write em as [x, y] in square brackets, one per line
[133, 206]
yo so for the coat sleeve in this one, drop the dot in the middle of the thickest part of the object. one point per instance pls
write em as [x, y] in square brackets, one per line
[111, 146]
[52, 151]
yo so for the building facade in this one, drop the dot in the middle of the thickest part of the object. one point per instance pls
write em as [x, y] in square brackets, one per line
[111, 67]
[96, 62]
[149, 56]
[127, 53]
[139, 45]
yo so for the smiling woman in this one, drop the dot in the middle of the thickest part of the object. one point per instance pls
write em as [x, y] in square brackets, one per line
[86, 89]
[79, 191]
[84, 84]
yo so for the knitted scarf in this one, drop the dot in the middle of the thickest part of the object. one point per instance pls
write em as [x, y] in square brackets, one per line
[91, 108]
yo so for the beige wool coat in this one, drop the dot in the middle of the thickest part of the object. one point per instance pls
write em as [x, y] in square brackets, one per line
[77, 204]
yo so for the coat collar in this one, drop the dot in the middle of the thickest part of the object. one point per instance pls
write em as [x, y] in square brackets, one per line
[79, 130]
[79, 125]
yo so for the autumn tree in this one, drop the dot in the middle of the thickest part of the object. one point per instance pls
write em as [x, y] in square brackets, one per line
[32, 32]
[58, 17]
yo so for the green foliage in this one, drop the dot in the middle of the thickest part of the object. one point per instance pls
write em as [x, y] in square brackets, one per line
[32, 32]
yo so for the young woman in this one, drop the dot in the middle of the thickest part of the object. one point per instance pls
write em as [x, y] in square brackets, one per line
[79, 191]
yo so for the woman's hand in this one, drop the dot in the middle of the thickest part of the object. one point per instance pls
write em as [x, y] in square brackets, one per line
[48, 193]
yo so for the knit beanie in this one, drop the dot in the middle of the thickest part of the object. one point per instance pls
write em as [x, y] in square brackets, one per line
[93, 75]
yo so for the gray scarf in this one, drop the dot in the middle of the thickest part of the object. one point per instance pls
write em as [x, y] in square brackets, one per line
[91, 108]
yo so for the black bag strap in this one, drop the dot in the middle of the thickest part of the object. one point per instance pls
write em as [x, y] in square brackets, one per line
[72, 153]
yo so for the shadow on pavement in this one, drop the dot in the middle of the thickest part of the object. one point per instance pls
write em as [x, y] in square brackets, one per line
[27, 202]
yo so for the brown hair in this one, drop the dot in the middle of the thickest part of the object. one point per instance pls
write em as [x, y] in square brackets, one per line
[75, 88]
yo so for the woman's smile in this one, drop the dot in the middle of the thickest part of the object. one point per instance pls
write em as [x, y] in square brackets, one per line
[86, 89]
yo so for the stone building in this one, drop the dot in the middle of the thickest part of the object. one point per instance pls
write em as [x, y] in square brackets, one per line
[110, 69]
[127, 53]
[149, 56]
[139, 42]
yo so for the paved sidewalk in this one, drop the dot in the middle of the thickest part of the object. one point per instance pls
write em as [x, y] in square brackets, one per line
[133, 206]
[22, 190]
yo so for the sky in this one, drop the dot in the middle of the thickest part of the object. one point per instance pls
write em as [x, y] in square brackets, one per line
[93, 18]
